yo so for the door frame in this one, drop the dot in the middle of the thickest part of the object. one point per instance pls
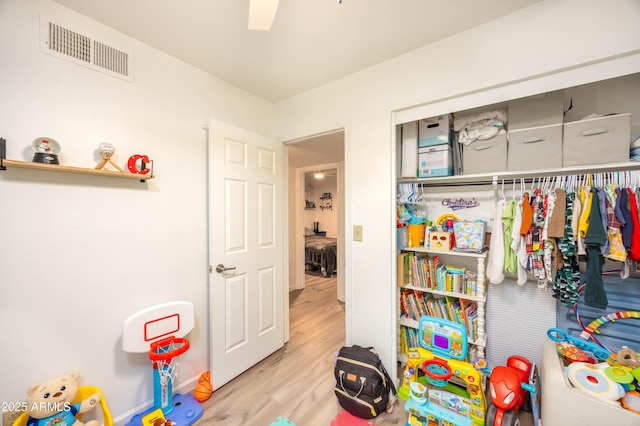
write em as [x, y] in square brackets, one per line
[344, 223]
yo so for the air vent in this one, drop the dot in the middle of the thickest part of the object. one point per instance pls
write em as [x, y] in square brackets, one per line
[82, 49]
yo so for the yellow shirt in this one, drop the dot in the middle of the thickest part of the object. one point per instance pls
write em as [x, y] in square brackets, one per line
[586, 197]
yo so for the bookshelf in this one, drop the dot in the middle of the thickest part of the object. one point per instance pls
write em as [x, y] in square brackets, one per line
[432, 283]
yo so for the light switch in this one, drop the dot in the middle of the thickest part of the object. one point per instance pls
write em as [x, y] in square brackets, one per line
[357, 232]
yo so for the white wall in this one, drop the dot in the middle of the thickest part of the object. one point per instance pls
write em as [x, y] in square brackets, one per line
[78, 253]
[552, 44]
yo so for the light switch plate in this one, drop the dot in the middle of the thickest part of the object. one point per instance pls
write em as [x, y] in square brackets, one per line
[357, 232]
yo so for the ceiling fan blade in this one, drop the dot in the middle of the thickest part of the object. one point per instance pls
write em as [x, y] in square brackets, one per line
[261, 14]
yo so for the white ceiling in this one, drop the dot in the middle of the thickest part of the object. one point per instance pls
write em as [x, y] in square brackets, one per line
[311, 42]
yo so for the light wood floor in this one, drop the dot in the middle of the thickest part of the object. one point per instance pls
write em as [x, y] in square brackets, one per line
[297, 381]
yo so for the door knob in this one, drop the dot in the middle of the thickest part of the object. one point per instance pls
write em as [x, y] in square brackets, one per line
[221, 268]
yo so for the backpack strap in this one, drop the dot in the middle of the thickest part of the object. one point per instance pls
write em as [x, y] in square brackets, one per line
[394, 394]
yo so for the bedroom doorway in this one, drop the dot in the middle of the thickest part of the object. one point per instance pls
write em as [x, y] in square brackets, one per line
[316, 207]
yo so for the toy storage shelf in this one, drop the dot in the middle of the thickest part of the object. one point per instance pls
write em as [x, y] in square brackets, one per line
[70, 169]
[479, 298]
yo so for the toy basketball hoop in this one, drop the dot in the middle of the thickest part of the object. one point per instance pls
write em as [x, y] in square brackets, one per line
[166, 355]
[160, 332]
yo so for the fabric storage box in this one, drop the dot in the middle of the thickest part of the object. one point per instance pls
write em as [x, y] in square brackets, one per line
[539, 110]
[485, 156]
[435, 161]
[535, 148]
[435, 131]
[599, 140]
[469, 234]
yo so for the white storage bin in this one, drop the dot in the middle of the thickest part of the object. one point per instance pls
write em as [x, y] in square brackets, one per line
[535, 148]
[485, 156]
[535, 111]
[597, 140]
[435, 161]
[435, 131]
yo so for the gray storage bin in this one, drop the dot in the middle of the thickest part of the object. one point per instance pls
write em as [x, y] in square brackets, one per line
[535, 148]
[485, 156]
[535, 111]
[599, 140]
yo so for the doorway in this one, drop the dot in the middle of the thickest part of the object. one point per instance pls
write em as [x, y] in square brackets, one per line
[309, 202]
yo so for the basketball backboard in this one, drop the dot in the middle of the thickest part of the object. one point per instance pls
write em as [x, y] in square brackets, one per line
[155, 323]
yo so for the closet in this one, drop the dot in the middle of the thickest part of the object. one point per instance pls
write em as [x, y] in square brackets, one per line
[562, 163]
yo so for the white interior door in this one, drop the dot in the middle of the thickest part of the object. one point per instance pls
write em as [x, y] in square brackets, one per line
[246, 236]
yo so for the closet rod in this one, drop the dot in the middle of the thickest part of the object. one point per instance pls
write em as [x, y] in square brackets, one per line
[488, 178]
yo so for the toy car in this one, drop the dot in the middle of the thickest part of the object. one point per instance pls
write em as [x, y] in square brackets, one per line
[507, 392]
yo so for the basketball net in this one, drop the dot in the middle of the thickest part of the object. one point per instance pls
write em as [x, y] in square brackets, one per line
[166, 355]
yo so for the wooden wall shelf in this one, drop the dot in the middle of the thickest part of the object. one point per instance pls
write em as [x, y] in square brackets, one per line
[69, 169]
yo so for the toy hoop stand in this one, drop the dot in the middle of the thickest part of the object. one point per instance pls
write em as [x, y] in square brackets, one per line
[166, 354]
[160, 332]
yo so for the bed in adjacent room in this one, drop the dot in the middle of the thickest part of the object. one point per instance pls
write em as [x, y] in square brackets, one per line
[320, 253]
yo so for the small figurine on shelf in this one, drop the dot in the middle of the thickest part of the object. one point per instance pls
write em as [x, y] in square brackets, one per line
[46, 151]
[106, 150]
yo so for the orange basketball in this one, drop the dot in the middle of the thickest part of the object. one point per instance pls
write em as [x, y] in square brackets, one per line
[204, 389]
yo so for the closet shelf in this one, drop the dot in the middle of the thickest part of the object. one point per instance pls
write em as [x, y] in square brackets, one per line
[70, 169]
[481, 255]
[474, 298]
[490, 178]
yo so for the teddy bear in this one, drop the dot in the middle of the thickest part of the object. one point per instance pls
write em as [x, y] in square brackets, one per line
[50, 403]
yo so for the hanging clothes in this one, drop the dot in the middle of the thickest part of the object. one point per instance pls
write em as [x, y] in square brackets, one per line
[536, 264]
[495, 262]
[616, 247]
[594, 295]
[567, 280]
[557, 224]
[549, 204]
[602, 205]
[527, 214]
[627, 222]
[586, 200]
[508, 218]
[518, 245]
[634, 251]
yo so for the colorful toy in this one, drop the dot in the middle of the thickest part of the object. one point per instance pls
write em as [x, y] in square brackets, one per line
[58, 401]
[593, 379]
[423, 413]
[558, 335]
[159, 331]
[444, 346]
[628, 357]
[508, 386]
[593, 325]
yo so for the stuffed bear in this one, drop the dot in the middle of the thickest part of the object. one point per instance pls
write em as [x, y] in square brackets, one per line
[49, 403]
